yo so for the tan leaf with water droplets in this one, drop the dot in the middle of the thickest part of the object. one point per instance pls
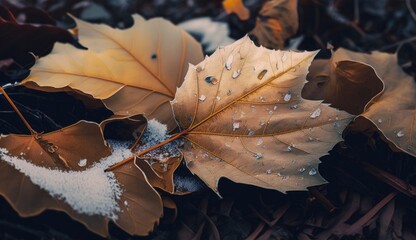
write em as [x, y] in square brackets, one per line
[75, 148]
[391, 101]
[133, 71]
[245, 119]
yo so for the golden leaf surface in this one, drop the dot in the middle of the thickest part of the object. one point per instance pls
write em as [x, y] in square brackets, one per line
[237, 7]
[392, 109]
[246, 121]
[83, 140]
[277, 21]
[133, 71]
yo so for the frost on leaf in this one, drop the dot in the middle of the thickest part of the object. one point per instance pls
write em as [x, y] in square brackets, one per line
[37, 179]
[223, 136]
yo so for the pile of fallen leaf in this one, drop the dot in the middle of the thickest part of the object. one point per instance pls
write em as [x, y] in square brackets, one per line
[118, 120]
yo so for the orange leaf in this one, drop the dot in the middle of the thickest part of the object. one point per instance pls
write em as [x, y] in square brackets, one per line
[237, 7]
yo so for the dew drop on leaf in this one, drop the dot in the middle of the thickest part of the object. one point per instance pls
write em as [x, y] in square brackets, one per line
[212, 80]
[261, 74]
[260, 141]
[380, 120]
[287, 97]
[236, 73]
[218, 98]
[316, 113]
[258, 155]
[250, 132]
[229, 62]
[313, 172]
[269, 171]
[302, 170]
[236, 125]
[202, 98]
[400, 134]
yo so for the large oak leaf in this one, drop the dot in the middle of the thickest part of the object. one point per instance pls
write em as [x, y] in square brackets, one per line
[133, 71]
[245, 120]
[140, 205]
[389, 94]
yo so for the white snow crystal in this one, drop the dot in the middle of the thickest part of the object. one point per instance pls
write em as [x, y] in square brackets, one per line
[155, 133]
[90, 192]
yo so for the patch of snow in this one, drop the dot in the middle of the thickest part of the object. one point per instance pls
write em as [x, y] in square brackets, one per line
[187, 184]
[212, 34]
[90, 192]
[154, 134]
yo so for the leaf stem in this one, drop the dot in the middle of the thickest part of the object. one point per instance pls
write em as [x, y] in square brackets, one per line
[32, 132]
[173, 138]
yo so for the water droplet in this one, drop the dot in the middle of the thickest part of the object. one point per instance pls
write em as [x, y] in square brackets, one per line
[287, 97]
[400, 134]
[236, 125]
[250, 132]
[302, 170]
[313, 172]
[269, 171]
[336, 125]
[126, 203]
[294, 107]
[316, 113]
[380, 120]
[236, 73]
[261, 123]
[205, 155]
[279, 174]
[227, 145]
[270, 112]
[228, 92]
[262, 99]
[229, 62]
[290, 147]
[310, 139]
[285, 177]
[261, 74]
[202, 98]
[274, 108]
[82, 163]
[260, 141]
[218, 98]
[212, 80]
[258, 155]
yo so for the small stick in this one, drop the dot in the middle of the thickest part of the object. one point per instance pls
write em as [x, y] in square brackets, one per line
[33, 132]
[111, 168]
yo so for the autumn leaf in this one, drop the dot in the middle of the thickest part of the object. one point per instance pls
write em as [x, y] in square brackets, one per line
[237, 7]
[244, 119]
[133, 71]
[389, 94]
[69, 153]
[277, 21]
[160, 174]
[346, 85]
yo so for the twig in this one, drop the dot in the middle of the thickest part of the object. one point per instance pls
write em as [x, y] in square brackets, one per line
[33, 132]
[412, 12]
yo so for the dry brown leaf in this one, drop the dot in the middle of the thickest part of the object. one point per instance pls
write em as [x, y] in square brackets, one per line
[392, 109]
[277, 21]
[245, 120]
[133, 71]
[83, 140]
[347, 85]
[160, 174]
[237, 7]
